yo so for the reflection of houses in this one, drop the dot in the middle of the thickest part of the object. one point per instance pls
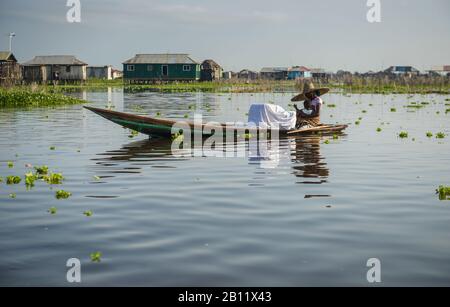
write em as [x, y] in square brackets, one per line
[10, 72]
[297, 72]
[54, 67]
[443, 70]
[99, 72]
[165, 67]
[274, 73]
[247, 74]
[408, 71]
[210, 71]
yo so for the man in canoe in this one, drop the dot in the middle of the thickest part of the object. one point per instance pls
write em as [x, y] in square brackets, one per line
[309, 117]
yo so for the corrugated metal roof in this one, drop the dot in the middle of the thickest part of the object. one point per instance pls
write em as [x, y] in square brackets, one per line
[6, 56]
[299, 68]
[165, 58]
[54, 60]
[273, 69]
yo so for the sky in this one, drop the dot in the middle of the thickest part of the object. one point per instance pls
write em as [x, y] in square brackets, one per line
[240, 34]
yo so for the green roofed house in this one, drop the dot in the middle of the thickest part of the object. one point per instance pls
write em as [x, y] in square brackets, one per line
[163, 67]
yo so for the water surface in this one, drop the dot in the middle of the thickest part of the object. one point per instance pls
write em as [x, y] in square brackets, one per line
[306, 213]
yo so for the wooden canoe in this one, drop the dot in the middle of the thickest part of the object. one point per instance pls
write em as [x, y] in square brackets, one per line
[158, 127]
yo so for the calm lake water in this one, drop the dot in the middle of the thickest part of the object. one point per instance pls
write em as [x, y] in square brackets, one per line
[310, 213]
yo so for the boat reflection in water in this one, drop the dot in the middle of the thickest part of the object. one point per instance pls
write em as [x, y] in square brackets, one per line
[301, 154]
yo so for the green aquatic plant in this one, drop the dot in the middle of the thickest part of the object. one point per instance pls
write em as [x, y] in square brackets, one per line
[41, 170]
[97, 178]
[186, 116]
[18, 97]
[327, 142]
[443, 192]
[447, 111]
[332, 105]
[364, 111]
[30, 178]
[414, 106]
[429, 134]
[133, 133]
[52, 210]
[158, 114]
[61, 194]
[403, 135]
[10, 164]
[440, 135]
[379, 129]
[53, 178]
[335, 137]
[52, 147]
[393, 110]
[12, 195]
[357, 122]
[13, 180]
[88, 213]
[96, 257]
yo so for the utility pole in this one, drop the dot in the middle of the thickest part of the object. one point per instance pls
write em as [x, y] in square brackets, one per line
[11, 35]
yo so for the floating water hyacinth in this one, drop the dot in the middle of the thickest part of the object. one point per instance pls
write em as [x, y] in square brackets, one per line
[12, 195]
[13, 180]
[88, 213]
[429, 134]
[443, 192]
[61, 194]
[403, 135]
[54, 178]
[378, 129]
[30, 178]
[10, 164]
[440, 135]
[96, 257]
[133, 133]
[52, 210]
[52, 147]
[41, 170]
[393, 110]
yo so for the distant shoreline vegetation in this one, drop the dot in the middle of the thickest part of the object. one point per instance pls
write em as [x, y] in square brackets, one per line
[22, 97]
[357, 85]
[56, 95]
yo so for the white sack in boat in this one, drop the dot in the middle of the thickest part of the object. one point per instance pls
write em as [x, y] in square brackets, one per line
[271, 115]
